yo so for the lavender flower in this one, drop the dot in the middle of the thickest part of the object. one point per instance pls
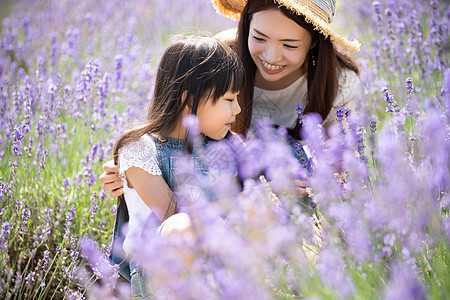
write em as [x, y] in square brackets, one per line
[113, 210]
[332, 270]
[74, 248]
[191, 124]
[65, 183]
[389, 98]
[25, 216]
[404, 285]
[30, 279]
[342, 115]
[377, 8]
[54, 50]
[373, 124]
[371, 214]
[68, 224]
[300, 112]
[45, 260]
[409, 85]
[100, 266]
[94, 206]
[118, 68]
[4, 235]
[17, 144]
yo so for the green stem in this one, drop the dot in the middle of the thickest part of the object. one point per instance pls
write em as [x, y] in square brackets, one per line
[56, 289]
[430, 267]
[23, 274]
[48, 270]
[88, 285]
[53, 275]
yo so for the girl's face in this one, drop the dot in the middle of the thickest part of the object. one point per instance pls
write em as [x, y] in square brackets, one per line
[279, 47]
[215, 119]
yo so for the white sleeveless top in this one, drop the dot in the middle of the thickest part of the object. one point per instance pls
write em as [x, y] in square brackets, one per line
[279, 105]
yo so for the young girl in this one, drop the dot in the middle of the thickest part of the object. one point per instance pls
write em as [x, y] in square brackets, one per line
[198, 76]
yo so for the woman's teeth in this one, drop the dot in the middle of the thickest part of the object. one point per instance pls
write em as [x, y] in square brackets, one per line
[272, 67]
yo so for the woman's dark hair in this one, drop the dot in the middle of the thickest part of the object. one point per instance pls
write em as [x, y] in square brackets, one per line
[191, 70]
[322, 79]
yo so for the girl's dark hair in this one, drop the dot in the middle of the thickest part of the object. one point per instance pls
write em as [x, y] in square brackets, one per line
[200, 68]
[322, 79]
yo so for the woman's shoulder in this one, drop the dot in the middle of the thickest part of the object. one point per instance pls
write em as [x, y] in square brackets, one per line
[349, 83]
[227, 37]
[348, 77]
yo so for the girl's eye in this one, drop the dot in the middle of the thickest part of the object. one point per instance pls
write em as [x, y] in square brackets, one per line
[258, 39]
[290, 46]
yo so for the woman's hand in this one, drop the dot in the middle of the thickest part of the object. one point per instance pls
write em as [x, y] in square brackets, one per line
[301, 188]
[111, 179]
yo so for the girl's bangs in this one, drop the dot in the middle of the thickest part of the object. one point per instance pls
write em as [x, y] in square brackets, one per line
[229, 79]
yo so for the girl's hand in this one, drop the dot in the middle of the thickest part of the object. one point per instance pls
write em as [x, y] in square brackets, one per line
[301, 188]
[111, 180]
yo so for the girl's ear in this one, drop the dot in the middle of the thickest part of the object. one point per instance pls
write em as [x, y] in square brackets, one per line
[184, 96]
[185, 100]
[313, 44]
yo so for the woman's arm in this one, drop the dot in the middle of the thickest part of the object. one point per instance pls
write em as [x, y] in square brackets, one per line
[154, 191]
[111, 180]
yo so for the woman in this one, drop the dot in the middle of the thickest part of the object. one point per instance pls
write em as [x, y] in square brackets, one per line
[290, 59]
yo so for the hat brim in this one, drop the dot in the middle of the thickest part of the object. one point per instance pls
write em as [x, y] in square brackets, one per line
[232, 10]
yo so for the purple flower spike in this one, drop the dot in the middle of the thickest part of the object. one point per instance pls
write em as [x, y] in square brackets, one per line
[191, 124]
[409, 85]
[373, 124]
[342, 114]
[389, 98]
[300, 112]
[4, 235]
[66, 183]
[332, 271]
[404, 285]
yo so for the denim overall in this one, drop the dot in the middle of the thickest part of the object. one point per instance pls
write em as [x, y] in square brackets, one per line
[168, 151]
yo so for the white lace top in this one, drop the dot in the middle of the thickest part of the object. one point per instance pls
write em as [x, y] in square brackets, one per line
[279, 105]
[140, 154]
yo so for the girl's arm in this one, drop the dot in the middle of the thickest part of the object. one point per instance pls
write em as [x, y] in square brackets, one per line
[154, 191]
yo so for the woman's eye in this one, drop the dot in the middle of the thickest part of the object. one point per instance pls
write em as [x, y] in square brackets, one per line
[258, 39]
[290, 46]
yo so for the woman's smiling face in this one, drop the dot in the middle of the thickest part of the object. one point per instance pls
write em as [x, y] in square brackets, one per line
[279, 47]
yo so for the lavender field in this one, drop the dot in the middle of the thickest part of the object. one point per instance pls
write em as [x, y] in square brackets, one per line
[75, 74]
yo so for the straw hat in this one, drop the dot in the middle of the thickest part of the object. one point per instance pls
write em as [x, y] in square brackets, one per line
[320, 13]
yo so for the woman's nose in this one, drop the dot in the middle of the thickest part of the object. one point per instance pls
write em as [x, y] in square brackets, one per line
[272, 54]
